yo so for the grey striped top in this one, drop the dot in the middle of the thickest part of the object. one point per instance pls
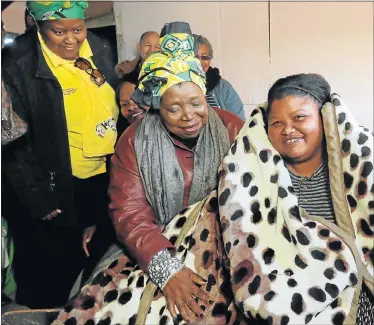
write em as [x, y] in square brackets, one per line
[211, 101]
[314, 192]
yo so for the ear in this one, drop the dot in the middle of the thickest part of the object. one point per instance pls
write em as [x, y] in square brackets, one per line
[138, 48]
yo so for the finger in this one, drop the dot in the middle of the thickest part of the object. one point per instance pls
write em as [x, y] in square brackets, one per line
[171, 307]
[184, 310]
[86, 249]
[197, 278]
[53, 214]
[202, 295]
[195, 308]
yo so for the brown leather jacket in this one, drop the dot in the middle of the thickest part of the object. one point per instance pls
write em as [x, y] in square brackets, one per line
[132, 215]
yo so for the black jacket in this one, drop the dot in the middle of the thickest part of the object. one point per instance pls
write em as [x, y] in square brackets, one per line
[37, 167]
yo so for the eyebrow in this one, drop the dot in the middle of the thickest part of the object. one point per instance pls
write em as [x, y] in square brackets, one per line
[63, 28]
[298, 111]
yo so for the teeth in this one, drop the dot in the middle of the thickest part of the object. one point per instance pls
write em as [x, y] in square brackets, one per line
[292, 140]
[136, 114]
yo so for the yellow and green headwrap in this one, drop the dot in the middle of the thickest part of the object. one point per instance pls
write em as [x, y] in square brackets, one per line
[175, 64]
[50, 10]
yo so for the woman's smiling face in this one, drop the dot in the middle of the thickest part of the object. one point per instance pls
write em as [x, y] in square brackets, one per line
[184, 110]
[295, 128]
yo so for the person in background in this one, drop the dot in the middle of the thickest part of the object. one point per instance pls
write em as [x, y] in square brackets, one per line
[149, 43]
[56, 175]
[130, 111]
[9, 133]
[29, 20]
[220, 93]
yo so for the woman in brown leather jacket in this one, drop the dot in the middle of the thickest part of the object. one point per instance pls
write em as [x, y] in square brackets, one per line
[167, 162]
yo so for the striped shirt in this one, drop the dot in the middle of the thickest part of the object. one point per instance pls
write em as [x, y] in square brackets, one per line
[314, 194]
[211, 101]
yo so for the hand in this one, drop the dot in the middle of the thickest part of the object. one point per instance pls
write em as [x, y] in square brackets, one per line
[52, 215]
[181, 290]
[88, 233]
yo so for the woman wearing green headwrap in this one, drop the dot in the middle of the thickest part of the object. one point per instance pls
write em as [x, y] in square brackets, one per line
[57, 173]
[161, 165]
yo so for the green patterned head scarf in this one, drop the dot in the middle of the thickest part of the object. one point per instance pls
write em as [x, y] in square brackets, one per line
[175, 63]
[51, 10]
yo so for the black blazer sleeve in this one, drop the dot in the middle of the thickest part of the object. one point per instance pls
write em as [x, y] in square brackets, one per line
[20, 168]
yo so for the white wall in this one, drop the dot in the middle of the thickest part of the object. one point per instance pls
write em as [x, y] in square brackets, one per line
[334, 39]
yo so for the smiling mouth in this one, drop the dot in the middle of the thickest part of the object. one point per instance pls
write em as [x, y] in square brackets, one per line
[191, 129]
[136, 113]
[293, 141]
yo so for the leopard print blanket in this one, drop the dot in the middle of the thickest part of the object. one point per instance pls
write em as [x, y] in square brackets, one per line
[264, 258]
[123, 294]
[286, 266]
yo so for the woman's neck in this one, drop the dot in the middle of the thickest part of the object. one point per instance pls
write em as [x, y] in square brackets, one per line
[306, 168]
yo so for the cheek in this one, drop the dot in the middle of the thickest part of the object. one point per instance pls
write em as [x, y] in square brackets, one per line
[274, 136]
[168, 119]
[313, 130]
[81, 36]
[203, 113]
[124, 112]
[52, 39]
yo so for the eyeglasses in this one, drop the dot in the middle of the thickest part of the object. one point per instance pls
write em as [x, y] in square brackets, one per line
[96, 76]
[204, 57]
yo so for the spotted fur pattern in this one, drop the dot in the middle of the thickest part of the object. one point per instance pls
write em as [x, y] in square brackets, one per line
[286, 268]
[262, 250]
[113, 297]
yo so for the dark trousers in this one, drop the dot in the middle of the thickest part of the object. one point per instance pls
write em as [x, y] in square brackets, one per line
[48, 259]
[93, 209]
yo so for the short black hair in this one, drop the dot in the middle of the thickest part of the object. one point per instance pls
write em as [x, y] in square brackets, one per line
[310, 85]
[132, 78]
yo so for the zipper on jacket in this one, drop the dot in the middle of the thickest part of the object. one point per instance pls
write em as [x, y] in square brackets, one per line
[52, 181]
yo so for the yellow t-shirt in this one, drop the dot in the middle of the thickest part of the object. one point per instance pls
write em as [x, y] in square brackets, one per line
[91, 113]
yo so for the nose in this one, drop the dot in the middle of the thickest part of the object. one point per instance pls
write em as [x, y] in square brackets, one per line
[188, 114]
[288, 129]
[132, 106]
[70, 39]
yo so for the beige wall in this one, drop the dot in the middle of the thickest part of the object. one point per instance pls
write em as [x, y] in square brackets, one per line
[14, 17]
[334, 39]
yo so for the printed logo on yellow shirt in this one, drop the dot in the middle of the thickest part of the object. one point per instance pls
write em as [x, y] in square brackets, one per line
[102, 127]
[69, 91]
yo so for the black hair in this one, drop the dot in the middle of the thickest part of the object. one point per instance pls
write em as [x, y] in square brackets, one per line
[27, 14]
[309, 85]
[132, 78]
